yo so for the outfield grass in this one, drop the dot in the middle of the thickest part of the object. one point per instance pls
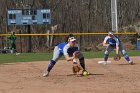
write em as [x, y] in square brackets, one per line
[29, 57]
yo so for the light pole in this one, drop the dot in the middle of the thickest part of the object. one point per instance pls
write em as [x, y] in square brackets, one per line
[114, 15]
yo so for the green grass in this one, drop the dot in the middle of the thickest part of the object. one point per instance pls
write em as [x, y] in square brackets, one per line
[100, 54]
[29, 57]
[24, 57]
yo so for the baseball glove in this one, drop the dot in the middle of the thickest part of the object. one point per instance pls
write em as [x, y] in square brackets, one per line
[75, 54]
[117, 57]
[76, 68]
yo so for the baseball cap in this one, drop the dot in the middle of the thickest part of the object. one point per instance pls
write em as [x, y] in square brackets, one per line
[110, 33]
[72, 39]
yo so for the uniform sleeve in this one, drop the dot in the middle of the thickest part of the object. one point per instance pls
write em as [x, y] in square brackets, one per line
[117, 41]
[105, 39]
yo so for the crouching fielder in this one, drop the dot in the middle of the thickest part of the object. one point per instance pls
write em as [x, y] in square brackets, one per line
[112, 42]
[67, 49]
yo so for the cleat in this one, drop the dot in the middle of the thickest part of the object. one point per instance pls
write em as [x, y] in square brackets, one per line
[46, 74]
[131, 62]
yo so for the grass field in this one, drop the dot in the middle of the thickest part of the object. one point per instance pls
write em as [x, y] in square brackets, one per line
[29, 57]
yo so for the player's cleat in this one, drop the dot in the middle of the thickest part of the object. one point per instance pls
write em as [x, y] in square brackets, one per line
[46, 74]
[131, 62]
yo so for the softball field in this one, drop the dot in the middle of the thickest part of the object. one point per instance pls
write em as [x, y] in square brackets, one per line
[117, 77]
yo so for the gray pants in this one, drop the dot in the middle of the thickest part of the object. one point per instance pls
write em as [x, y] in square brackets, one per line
[109, 49]
[56, 54]
[121, 49]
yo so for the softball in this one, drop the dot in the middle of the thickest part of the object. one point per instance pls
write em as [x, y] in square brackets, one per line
[85, 73]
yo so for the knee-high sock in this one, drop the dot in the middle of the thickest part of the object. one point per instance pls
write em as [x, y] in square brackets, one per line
[82, 62]
[106, 57]
[50, 66]
[126, 57]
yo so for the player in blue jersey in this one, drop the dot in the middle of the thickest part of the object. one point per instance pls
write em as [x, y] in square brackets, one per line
[66, 49]
[112, 42]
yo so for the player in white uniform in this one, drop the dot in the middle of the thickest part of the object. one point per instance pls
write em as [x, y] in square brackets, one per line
[67, 49]
[112, 42]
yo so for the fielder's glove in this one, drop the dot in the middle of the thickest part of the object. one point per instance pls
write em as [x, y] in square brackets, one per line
[117, 57]
[76, 68]
[75, 54]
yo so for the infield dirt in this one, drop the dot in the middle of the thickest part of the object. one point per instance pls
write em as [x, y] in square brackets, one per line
[117, 77]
